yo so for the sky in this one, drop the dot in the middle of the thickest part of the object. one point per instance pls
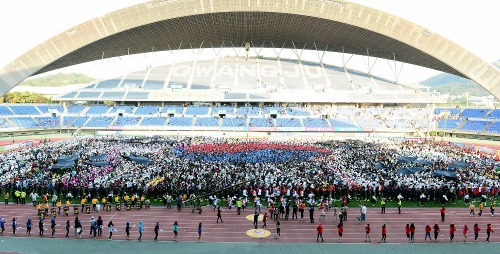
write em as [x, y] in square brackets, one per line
[26, 23]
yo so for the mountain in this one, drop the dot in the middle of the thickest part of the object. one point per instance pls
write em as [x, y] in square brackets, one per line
[57, 80]
[455, 85]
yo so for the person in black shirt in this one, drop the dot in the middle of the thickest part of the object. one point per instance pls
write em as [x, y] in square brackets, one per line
[157, 228]
[99, 226]
[219, 216]
[255, 220]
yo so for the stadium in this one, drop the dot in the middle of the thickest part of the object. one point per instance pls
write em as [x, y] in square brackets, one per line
[250, 121]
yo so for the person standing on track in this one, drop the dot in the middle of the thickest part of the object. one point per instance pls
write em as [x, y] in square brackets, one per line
[140, 228]
[219, 215]
[176, 230]
[14, 226]
[492, 209]
[2, 225]
[340, 231]
[40, 226]
[200, 231]
[476, 231]
[99, 226]
[436, 232]
[278, 228]
[111, 228]
[407, 232]
[489, 230]
[428, 233]
[384, 234]
[412, 233]
[68, 226]
[264, 220]
[127, 230]
[382, 204]
[442, 211]
[28, 226]
[452, 232]
[255, 220]
[319, 229]
[157, 229]
[464, 232]
[53, 227]
[367, 233]
[471, 207]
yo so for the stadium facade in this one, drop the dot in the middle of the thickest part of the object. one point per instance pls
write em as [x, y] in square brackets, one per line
[330, 25]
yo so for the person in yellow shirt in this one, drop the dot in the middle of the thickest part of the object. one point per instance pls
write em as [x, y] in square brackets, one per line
[94, 203]
[59, 204]
[38, 206]
[82, 202]
[68, 204]
[46, 208]
[471, 207]
[103, 201]
[6, 197]
[117, 199]
[133, 200]
[126, 198]
[481, 207]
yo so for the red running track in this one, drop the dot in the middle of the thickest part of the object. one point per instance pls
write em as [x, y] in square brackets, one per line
[234, 227]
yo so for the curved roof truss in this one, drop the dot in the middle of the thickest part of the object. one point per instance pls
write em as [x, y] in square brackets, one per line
[334, 25]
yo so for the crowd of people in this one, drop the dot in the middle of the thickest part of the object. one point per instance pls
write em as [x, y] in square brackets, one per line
[188, 167]
[245, 173]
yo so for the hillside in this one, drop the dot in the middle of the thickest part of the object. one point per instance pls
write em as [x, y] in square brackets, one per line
[59, 79]
[455, 85]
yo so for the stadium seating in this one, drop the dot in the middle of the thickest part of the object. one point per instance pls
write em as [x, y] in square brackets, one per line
[125, 109]
[288, 122]
[197, 110]
[137, 95]
[5, 111]
[494, 128]
[449, 124]
[398, 123]
[297, 112]
[153, 121]
[474, 126]
[24, 110]
[495, 114]
[48, 121]
[229, 110]
[126, 121]
[207, 121]
[177, 109]
[146, 110]
[74, 121]
[450, 111]
[343, 123]
[45, 108]
[315, 123]
[249, 111]
[371, 123]
[261, 122]
[97, 110]
[108, 84]
[153, 85]
[75, 109]
[99, 121]
[5, 124]
[234, 122]
[180, 121]
[25, 122]
[474, 113]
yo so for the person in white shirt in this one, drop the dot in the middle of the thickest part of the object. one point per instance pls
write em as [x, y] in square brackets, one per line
[363, 212]
[34, 197]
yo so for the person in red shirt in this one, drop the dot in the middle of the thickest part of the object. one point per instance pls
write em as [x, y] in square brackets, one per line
[428, 232]
[436, 232]
[367, 233]
[320, 233]
[442, 211]
[264, 220]
[465, 232]
[407, 231]
[452, 232]
[489, 230]
[340, 230]
[384, 234]
[476, 231]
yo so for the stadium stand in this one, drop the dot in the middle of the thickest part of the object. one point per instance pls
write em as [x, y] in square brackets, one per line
[24, 110]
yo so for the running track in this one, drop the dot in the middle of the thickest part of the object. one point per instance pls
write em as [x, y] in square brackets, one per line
[234, 227]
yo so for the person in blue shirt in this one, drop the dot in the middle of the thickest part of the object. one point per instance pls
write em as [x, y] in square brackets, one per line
[28, 226]
[2, 225]
[200, 231]
[140, 231]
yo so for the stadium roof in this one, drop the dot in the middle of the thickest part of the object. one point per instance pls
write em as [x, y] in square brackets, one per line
[334, 25]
